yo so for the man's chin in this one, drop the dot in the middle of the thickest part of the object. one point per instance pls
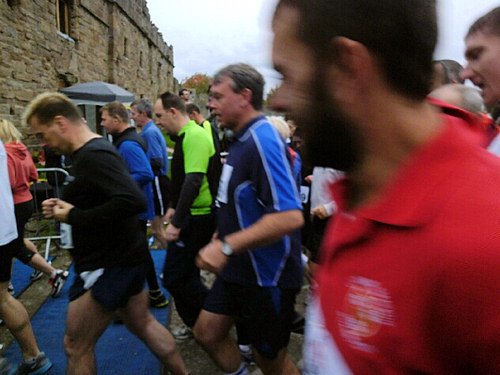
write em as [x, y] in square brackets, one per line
[329, 138]
[60, 151]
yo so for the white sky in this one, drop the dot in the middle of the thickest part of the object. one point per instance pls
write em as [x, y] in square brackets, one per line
[207, 35]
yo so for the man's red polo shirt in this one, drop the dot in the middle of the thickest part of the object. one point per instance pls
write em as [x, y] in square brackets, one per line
[410, 283]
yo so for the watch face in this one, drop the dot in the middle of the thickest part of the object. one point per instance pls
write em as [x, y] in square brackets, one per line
[227, 250]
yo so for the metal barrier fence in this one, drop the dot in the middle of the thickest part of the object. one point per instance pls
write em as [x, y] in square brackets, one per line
[49, 185]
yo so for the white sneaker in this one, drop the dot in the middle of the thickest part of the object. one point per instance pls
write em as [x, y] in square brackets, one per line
[58, 281]
[183, 333]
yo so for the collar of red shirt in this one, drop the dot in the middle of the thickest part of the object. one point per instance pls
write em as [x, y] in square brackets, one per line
[417, 191]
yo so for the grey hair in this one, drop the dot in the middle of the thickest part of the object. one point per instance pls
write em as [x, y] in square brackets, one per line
[143, 105]
[244, 76]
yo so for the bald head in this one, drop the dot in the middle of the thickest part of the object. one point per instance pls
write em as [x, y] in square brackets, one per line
[461, 96]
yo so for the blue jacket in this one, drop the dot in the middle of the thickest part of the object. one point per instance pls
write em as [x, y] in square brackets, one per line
[133, 151]
[157, 148]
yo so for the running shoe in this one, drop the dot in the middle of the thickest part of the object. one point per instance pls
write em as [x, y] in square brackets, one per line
[157, 299]
[36, 366]
[247, 355]
[36, 275]
[183, 333]
[58, 281]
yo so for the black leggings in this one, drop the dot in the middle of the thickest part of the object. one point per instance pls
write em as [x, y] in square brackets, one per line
[23, 213]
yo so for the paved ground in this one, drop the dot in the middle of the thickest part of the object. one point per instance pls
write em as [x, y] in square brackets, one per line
[197, 361]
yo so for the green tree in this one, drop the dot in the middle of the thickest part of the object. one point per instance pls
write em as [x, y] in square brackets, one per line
[269, 96]
[199, 82]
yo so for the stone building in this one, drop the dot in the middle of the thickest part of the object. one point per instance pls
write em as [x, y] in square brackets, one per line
[51, 44]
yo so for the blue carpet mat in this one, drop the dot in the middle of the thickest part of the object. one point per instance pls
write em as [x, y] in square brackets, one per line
[118, 352]
[21, 276]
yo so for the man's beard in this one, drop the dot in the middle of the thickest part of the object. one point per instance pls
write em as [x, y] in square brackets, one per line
[330, 137]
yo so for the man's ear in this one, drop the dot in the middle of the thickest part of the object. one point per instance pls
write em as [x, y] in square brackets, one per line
[247, 94]
[351, 68]
[61, 122]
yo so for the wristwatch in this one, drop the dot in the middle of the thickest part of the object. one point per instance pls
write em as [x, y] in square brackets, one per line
[227, 250]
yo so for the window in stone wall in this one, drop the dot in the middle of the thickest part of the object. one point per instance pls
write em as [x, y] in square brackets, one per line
[63, 9]
[125, 47]
[159, 70]
[140, 59]
[150, 62]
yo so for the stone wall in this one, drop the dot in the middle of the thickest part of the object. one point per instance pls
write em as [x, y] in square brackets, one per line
[109, 40]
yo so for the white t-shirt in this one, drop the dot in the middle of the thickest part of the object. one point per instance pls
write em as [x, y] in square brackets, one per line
[8, 230]
[323, 178]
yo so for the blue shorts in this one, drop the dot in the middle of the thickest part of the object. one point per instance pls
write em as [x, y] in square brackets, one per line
[265, 313]
[114, 287]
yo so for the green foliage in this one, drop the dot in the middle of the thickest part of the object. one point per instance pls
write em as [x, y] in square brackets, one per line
[269, 96]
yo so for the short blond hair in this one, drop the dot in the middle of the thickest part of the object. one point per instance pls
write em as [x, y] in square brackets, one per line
[280, 124]
[9, 133]
[45, 107]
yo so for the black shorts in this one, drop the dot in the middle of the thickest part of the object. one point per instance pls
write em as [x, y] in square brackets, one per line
[16, 248]
[265, 313]
[23, 213]
[7, 252]
[114, 287]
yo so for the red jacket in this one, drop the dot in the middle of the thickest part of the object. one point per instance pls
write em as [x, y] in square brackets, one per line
[22, 171]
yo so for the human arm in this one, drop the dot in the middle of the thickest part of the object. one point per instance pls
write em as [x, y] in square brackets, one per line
[12, 170]
[269, 229]
[33, 172]
[56, 208]
[156, 149]
[189, 191]
[169, 215]
[325, 210]
[103, 189]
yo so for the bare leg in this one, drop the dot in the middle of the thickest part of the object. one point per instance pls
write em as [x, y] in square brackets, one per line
[40, 264]
[282, 364]
[141, 322]
[212, 333]
[81, 337]
[37, 261]
[30, 245]
[18, 323]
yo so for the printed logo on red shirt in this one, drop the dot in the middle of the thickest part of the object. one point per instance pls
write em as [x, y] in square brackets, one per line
[367, 307]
